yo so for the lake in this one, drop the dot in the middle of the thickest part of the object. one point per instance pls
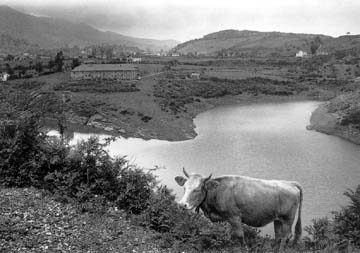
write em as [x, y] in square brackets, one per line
[268, 141]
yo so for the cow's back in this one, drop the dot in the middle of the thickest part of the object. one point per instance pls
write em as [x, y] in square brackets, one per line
[258, 201]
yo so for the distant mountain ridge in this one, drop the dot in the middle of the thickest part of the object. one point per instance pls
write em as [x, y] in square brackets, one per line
[254, 43]
[48, 32]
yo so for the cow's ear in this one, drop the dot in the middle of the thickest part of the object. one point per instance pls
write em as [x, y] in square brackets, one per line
[211, 185]
[180, 180]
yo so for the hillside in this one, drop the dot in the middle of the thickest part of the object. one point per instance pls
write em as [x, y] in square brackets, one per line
[10, 44]
[347, 42]
[253, 43]
[52, 33]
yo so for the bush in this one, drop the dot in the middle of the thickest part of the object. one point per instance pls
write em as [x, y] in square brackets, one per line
[353, 117]
[30, 158]
[342, 233]
[321, 234]
[347, 221]
[135, 189]
[22, 153]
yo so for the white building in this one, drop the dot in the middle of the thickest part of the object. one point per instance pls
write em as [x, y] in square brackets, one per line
[4, 77]
[301, 54]
[195, 75]
[133, 59]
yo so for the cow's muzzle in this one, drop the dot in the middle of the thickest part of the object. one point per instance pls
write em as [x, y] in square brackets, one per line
[185, 205]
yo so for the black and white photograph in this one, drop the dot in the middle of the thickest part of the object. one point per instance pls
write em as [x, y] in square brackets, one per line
[179, 126]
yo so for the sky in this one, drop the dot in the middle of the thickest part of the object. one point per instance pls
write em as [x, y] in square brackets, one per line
[183, 20]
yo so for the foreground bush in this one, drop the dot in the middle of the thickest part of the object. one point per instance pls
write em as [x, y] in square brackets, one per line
[30, 158]
[340, 233]
[22, 153]
[347, 221]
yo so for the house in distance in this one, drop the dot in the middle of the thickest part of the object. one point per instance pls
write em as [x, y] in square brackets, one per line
[105, 72]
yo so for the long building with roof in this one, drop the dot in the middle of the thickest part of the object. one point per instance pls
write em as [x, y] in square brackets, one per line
[105, 72]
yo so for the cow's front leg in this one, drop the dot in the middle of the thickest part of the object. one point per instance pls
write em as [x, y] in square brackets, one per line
[237, 229]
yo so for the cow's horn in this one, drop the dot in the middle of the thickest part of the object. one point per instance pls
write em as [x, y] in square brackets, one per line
[185, 173]
[208, 178]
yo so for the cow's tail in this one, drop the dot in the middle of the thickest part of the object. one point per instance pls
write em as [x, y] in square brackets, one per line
[298, 229]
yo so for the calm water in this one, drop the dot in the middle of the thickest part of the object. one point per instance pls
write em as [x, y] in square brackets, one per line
[268, 141]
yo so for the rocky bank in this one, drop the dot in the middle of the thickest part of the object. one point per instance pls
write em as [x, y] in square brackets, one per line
[339, 116]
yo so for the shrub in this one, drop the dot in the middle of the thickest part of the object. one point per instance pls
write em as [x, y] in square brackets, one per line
[30, 158]
[321, 234]
[342, 233]
[347, 221]
[135, 189]
[353, 117]
[22, 153]
[83, 171]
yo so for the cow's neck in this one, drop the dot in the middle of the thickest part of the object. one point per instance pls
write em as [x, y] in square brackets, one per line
[208, 210]
[200, 206]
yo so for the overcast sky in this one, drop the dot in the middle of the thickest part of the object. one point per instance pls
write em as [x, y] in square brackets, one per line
[188, 19]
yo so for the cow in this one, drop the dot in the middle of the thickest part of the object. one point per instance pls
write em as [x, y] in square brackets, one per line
[240, 199]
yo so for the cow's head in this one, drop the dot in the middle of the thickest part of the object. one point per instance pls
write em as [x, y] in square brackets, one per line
[195, 189]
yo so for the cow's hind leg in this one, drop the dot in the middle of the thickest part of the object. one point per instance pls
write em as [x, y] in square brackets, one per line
[282, 233]
[237, 229]
[285, 234]
[277, 229]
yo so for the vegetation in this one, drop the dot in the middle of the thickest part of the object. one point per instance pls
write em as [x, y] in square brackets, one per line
[97, 87]
[342, 232]
[347, 107]
[173, 94]
[87, 175]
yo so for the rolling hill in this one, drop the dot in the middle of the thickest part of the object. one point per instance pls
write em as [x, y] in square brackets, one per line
[253, 43]
[48, 32]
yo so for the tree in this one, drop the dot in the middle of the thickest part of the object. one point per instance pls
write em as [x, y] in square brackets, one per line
[9, 70]
[9, 57]
[109, 53]
[59, 58]
[315, 44]
[75, 63]
[51, 64]
[93, 52]
[38, 67]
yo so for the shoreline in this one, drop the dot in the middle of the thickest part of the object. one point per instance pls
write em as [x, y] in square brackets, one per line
[323, 121]
[186, 129]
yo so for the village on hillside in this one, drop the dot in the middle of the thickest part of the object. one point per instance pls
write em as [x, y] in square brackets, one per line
[46, 61]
